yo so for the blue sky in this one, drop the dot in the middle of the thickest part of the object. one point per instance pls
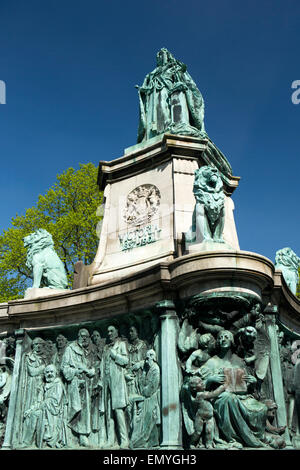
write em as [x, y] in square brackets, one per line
[70, 67]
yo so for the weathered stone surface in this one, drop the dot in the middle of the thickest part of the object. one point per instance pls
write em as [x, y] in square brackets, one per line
[36, 292]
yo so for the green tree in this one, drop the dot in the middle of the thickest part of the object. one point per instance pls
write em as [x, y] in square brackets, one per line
[69, 212]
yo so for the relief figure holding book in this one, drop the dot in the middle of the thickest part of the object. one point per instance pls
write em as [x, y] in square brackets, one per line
[241, 419]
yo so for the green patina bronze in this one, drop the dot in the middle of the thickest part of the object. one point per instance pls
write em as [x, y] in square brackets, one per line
[204, 366]
[288, 262]
[47, 269]
[170, 101]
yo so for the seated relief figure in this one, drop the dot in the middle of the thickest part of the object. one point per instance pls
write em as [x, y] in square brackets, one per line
[241, 418]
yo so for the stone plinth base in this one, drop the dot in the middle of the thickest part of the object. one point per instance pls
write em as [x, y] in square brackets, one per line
[206, 246]
[35, 292]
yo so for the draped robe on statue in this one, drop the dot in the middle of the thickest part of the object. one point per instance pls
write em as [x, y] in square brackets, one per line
[240, 417]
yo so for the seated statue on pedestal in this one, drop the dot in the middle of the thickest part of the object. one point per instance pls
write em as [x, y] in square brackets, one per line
[170, 101]
[48, 270]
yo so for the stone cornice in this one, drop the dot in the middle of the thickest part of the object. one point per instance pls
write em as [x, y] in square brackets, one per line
[168, 280]
[142, 158]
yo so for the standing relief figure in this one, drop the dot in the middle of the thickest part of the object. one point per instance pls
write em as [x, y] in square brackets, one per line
[5, 387]
[209, 213]
[146, 419]
[47, 269]
[137, 349]
[53, 416]
[198, 413]
[98, 418]
[35, 363]
[114, 398]
[78, 371]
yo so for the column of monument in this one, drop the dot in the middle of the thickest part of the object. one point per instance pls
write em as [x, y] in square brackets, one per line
[170, 377]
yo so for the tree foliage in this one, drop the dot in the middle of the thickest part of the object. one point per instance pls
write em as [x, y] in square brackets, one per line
[69, 212]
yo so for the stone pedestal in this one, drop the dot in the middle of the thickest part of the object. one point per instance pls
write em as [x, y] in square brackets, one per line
[149, 204]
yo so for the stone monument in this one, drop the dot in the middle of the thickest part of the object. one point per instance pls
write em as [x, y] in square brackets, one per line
[173, 338]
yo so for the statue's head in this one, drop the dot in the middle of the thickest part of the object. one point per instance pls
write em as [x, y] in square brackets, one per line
[50, 373]
[255, 310]
[133, 333]
[249, 334]
[164, 56]
[225, 339]
[272, 408]
[83, 338]
[208, 179]
[40, 236]
[112, 333]
[150, 357]
[207, 341]
[287, 257]
[38, 346]
[196, 384]
[211, 175]
[96, 337]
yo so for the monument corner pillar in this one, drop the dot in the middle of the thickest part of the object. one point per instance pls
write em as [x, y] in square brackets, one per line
[171, 378]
